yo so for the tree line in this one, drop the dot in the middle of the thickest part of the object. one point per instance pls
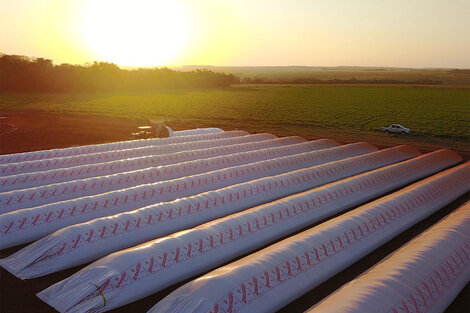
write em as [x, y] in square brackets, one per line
[38, 75]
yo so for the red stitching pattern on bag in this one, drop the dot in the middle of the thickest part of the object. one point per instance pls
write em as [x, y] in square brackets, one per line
[268, 186]
[119, 154]
[60, 153]
[85, 210]
[164, 171]
[149, 161]
[285, 271]
[343, 166]
[428, 291]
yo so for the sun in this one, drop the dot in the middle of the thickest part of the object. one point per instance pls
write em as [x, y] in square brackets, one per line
[135, 33]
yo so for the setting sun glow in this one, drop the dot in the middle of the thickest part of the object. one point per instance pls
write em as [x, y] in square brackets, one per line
[147, 33]
[135, 33]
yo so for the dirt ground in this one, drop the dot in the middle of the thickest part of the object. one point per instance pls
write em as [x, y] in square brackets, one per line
[29, 131]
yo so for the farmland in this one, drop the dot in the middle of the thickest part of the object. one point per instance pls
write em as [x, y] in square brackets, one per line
[438, 116]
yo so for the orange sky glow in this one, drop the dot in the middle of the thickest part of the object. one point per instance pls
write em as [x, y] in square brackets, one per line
[401, 33]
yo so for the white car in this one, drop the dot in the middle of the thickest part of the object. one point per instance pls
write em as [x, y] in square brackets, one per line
[396, 128]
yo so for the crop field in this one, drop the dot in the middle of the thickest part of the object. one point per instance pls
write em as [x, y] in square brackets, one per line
[435, 115]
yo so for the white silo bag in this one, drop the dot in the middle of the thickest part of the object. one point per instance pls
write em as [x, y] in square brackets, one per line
[35, 196]
[181, 255]
[106, 168]
[33, 223]
[107, 156]
[269, 279]
[65, 152]
[60, 250]
[188, 132]
[425, 275]
[75, 161]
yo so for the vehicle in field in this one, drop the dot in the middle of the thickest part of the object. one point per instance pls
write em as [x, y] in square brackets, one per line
[156, 129]
[144, 132]
[397, 129]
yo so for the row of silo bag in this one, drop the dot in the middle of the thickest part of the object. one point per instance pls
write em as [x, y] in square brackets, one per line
[21, 226]
[35, 196]
[131, 274]
[25, 180]
[425, 275]
[147, 156]
[196, 131]
[62, 249]
[107, 156]
[179, 137]
[255, 142]
[273, 277]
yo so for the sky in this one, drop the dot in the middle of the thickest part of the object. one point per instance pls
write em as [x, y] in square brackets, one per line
[398, 33]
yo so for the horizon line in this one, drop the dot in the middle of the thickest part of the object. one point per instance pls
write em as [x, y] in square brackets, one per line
[241, 66]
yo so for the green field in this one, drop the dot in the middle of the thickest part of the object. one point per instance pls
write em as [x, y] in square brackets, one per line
[431, 112]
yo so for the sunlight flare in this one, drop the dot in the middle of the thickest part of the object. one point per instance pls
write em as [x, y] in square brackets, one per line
[135, 33]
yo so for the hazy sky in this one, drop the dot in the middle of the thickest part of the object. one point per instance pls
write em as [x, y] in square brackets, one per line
[408, 33]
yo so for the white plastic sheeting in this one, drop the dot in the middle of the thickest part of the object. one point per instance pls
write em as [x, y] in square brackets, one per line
[31, 197]
[65, 152]
[271, 278]
[131, 274]
[197, 131]
[33, 223]
[118, 166]
[107, 156]
[423, 276]
[61, 250]
[102, 157]
[100, 184]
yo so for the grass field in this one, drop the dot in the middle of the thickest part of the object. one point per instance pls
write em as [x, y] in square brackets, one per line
[430, 112]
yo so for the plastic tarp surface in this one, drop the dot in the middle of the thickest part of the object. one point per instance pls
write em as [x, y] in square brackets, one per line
[131, 274]
[65, 152]
[107, 156]
[197, 131]
[423, 276]
[60, 250]
[29, 224]
[106, 168]
[32, 197]
[271, 278]
[102, 157]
